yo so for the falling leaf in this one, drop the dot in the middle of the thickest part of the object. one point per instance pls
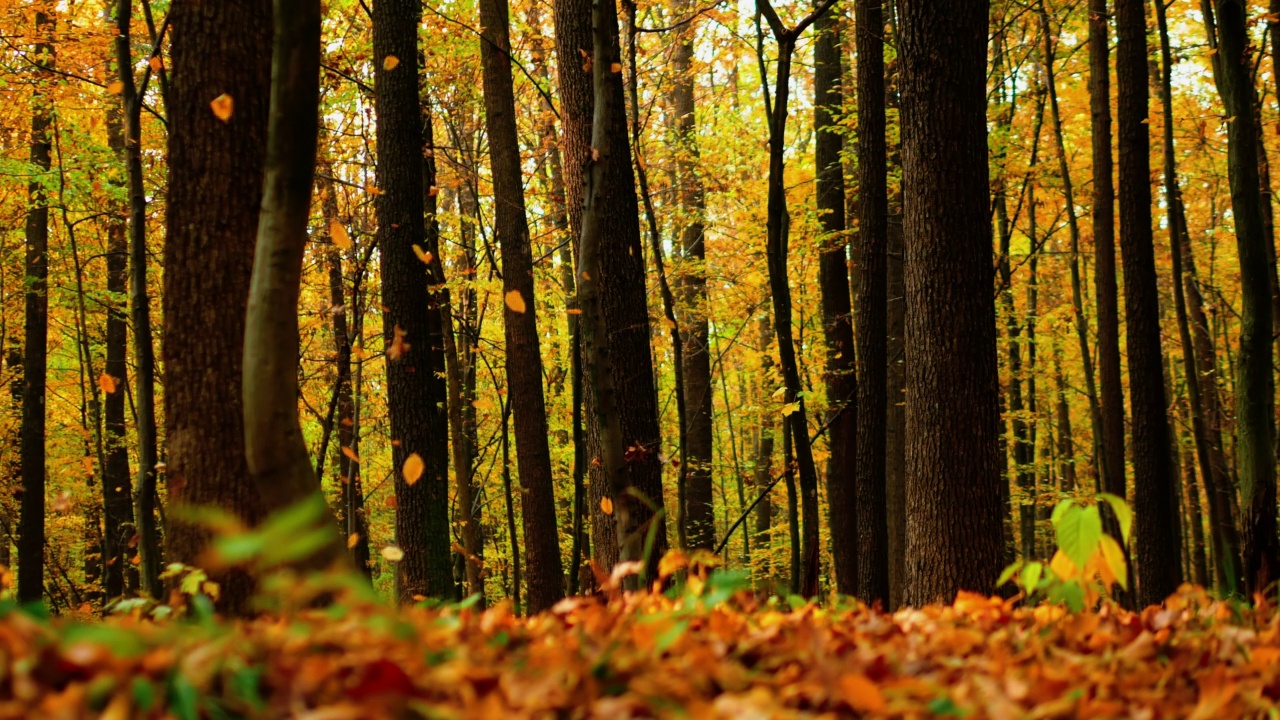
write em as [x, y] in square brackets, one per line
[391, 501]
[156, 63]
[398, 346]
[338, 234]
[351, 454]
[595, 155]
[413, 467]
[390, 62]
[423, 255]
[352, 540]
[515, 301]
[392, 553]
[115, 88]
[616, 67]
[108, 384]
[790, 408]
[606, 505]
[574, 311]
[433, 191]
[223, 106]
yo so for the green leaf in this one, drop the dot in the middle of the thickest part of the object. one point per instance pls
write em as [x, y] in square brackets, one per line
[183, 698]
[244, 686]
[1060, 511]
[1078, 532]
[1123, 514]
[1008, 573]
[121, 642]
[671, 635]
[144, 694]
[1070, 594]
[1031, 575]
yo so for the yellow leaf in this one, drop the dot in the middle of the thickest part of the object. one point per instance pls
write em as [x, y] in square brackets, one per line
[606, 506]
[1062, 566]
[108, 384]
[862, 694]
[351, 454]
[1114, 556]
[673, 561]
[338, 234]
[352, 540]
[390, 62]
[423, 255]
[790, 408]
[223, 106]
[392, 553]
[413, 467]
[515, 301]
[115, 88]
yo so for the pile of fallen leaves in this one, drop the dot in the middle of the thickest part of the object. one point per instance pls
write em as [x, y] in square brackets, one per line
[704, 652]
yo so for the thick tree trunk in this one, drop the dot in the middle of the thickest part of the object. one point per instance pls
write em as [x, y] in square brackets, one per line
[544, 571]
[955, 533]
[412, 328]
[621, 286]
[36, 330]
[1255, 391]
[1104, 278]
[872, 307]
[1156, 521]
[216, 168]
[837, 314]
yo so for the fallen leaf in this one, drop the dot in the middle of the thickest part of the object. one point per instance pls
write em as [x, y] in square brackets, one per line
[862, 694]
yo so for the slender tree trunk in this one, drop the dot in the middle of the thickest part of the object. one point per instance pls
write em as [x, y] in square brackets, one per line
[955, 536]
[412, 328]
[1223, 534]
[896, 422]
[764, 454]
[1066, 439]
[620, 286]
[144, 501]
[1104, 278]
[544, 572]
[275, 450]
[35, 359]
[1156, 517]
[1255, 391]
[837, 313]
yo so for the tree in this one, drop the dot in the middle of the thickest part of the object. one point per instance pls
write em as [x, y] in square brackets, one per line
[621, 291]
[275, 451]
[872, 307]
[837, 314]
[524, 356]
[412, 329]
[36, 324]
[1155, 506]
[954, 532]
[217, 151]
[1255, 384]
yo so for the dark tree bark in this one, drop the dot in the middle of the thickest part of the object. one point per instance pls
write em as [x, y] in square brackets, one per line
[1255, 391]
[763, 480]
[544, 571]
[216, 172]
[412, 328]
[1223, 533]
[955, 532]
[36, 324]
[696, 357]
[1156, 523]
[275, 449]
[872, 306]
[1104, 278]
[144, 396]
[896, 422]
[843, 476]
[622, 286]
[117, 481]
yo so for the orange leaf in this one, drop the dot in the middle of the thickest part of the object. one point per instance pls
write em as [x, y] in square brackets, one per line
[351, 454]
[156, 63]
[413, 467]
[107, 383]
[338, 234]
[115, 88]
[423, 255]
[515, 301]
[352, 540]
[862, 694]
[223, 106]
[606, 506]
[390, 62]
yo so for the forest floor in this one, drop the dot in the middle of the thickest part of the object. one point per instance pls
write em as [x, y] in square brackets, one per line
[710, 651]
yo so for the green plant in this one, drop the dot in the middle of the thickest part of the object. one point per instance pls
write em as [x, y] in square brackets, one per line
[1088, 562]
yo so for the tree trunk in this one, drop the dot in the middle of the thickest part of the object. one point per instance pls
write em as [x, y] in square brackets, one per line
[416, 394]
[275, 449]
[955, 535]
[36, 331]
[144, 501]
[543, 569]
[764, 455]
[843, 485]
[216, 168]
[896, 422]
[1104, 278]
[1155, 509]
[624, 312]
[1255, 391]
[695, 356]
